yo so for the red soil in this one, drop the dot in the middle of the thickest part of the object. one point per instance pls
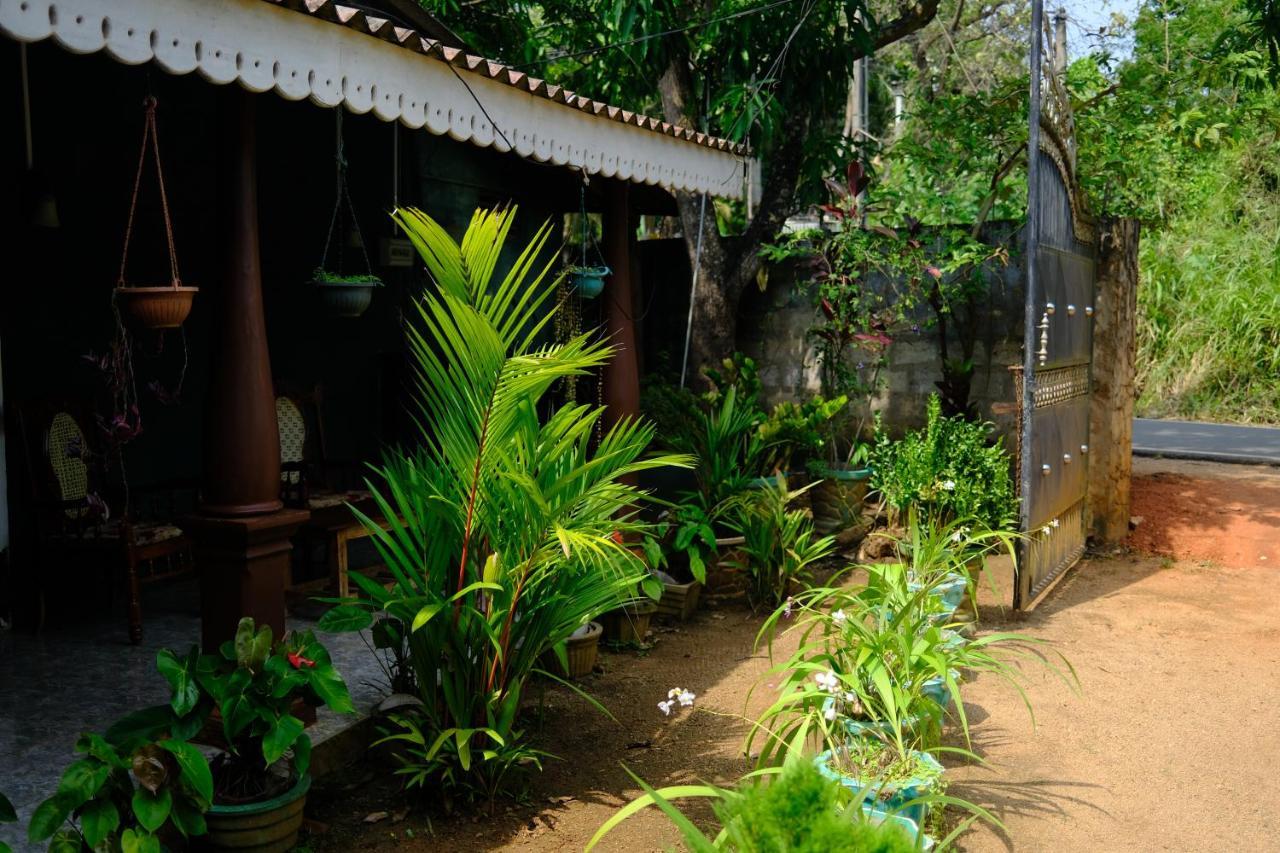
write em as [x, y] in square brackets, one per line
[1227, 515]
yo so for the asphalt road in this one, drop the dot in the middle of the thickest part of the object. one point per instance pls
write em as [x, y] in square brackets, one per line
[1214, 442]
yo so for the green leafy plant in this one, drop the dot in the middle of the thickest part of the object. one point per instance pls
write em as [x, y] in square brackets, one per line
[797, 433]
[126, 792]
[779, 543]
[323, 276]
[256, 684]
[798, 811]
[948, 469]
[504, 530]
[726, 444]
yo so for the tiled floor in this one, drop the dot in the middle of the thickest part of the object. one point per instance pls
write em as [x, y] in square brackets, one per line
[78, 678]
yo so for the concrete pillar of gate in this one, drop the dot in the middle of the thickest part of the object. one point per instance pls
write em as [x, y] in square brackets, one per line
[1114, 382]
[622, 373]
[241, 532]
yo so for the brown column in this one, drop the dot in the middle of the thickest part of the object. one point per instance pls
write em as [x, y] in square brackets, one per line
[622, 374]
[1114, 387]
[242, 532]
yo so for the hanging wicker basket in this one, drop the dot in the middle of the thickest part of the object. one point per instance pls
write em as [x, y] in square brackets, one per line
[152, 307]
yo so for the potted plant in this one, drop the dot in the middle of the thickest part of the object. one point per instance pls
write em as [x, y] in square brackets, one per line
[794, 435]
[344, 295]
[588, 281]
[684, 546]
[581, 650]
[893, 781]
[779, 542]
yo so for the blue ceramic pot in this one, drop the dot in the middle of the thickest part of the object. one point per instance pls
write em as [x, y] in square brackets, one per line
[892, 800]
[589, 281]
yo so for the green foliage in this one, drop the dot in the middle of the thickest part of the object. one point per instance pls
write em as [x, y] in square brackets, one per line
[1209, 304]
[725, 442]
[948, 470]
[323, 276]
[797, 811]
[126, 791]
[779, 543]
[504, 531]
[796, 433]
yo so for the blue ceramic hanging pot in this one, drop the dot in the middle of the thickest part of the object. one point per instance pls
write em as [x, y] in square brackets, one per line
[589, 281]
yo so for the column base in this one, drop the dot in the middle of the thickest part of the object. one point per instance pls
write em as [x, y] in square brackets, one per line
[244, 569]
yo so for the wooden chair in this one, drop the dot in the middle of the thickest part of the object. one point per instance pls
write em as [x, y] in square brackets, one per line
[310, 480]
[79, 527]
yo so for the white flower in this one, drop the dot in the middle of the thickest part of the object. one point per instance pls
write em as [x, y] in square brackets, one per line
[674, 692]
[830, 712]
[1046, 530]
[949, 486]
[1054, 522]
[957, 536]
[686, 698]
[665, 708]
[827, 681]
[838, 617]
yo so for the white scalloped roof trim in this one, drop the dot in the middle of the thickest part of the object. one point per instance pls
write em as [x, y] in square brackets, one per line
[267, 47]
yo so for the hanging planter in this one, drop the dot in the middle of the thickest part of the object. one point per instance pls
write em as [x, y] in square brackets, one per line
[343, 294]
[588, 281]
[152, 307]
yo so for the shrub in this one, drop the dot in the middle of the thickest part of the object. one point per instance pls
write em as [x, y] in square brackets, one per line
[779, 543]
[949, 470]
[503, 528]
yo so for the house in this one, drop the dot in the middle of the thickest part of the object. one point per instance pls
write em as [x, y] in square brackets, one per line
[258, 101]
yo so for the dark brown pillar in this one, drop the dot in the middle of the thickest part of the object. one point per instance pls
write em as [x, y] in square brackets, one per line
[622, 374]
[242, 532]
[1114, 382]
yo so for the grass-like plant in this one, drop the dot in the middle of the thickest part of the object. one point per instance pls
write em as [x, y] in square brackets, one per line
[779, 543]
[797, 811]
[502, 527]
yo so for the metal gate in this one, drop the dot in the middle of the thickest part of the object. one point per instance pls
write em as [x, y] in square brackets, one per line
[1054, 382]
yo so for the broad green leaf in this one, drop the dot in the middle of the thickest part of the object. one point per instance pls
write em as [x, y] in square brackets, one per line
[425, 615]
[82, 779]
[7, 812]
[140, 727]
[194, 767]
[302, 754]
[279, 737]
[181, 677]
[98, 819]
[49, 817]
[345, 618]
[132, 841]
[188, 820]
[65, 841]
[152, 810]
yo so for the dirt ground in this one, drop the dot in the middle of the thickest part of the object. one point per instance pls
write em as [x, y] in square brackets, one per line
[1171, 743]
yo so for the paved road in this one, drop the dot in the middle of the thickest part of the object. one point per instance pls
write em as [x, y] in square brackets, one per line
[1216, 442]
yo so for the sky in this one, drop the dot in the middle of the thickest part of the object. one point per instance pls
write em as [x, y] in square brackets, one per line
[1089, 15]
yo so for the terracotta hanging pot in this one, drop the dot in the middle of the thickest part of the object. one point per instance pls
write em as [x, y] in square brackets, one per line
[152, 307]
[155, 307]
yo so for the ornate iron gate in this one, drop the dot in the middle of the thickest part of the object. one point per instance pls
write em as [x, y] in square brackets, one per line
[1054, 382]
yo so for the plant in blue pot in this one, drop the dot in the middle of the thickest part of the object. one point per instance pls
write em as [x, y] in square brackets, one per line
[588, 282]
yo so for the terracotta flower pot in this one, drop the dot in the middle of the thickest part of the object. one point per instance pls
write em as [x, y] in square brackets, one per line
[155, 307]
[267, 827]
[628, 624]
[679, 600]
[582, 648]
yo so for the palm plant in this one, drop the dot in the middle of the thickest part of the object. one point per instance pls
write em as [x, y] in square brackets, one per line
[501, 528]
[779, 543]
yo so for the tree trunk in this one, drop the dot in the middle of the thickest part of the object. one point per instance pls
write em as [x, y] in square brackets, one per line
[1114, 391]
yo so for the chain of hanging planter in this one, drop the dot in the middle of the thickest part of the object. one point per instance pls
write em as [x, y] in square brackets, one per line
[152, 307]
[343, 294]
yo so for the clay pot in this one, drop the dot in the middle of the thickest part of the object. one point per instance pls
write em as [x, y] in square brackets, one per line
[628, 624]
[581, 648]
[679, 600]
[267, 827]
[155, 307]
